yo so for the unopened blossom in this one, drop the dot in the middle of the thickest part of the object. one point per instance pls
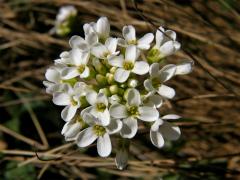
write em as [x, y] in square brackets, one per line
[162, 129]
[128, 64]
[131, 111]
[98, 131]
[129, 34]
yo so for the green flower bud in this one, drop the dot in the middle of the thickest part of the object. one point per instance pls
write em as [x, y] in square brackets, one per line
[113, 70]
[114, 89]
[132, 83]
[110, 78]
[99, 66]
[123, 85]
[105, 91]
[83, 101]
[102, 80]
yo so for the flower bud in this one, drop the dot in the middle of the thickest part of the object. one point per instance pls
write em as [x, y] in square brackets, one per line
[105, 91]
[110, 78]
[113, 70]
[114, 89]
[132, 83]
[126, 94]
[102, 80]
[99, 66]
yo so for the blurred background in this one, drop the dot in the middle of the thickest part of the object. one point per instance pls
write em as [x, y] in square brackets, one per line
[31, 144]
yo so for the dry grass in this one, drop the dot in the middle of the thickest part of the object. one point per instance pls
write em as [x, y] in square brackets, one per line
[208, 98]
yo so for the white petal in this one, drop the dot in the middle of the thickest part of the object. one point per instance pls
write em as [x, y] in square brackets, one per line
[156, 100]
[69, 73]
[184, 68]
[146, 39]
[159, 37]
[104, 117]
[169, 131]
[167, 48]
[99, 51]
[140, 67]
[111, 44]
[171, 116]
[114, 126]
[131, 53]
[121, 75]
[104, 146]
[121, 158]
[101, 98]
[154, 69]
[176, 45]
[133, 97]
[68, 112]
[122, 42]
[52, 75]
[86, 137]
[129, 33]
[116, 61]
[91, 97]
[79, 57]
[103, 27]
[92, 38]
[156, 139]
[156, 124]
[148, 113]
[118, 111]
[77, 42]
[85, 73]
[167, 72]
[90, 119]
[129, 128]
[61, 99]
[166, 91]
[148, 85]
[71, 130]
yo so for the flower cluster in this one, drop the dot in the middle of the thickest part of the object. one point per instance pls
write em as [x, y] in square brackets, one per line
[64, 20]
[109, 85]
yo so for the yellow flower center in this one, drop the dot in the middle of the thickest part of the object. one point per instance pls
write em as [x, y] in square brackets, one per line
[101, 107]
[132, 42]
[73, 102]
[128, 65]
[156, 82]
[99, 130]
[133, 111]
[81, 68]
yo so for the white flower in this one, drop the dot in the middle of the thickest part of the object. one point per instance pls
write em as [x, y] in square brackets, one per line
[132, 111]
[78, 65]
[161, 129]
[86, 44]
[106, 51]
[71, 99]
[99, 106]
[164, 44]
[65, 12]
[158, 77]
[128, 64]
[129, 35]
[153, 100]
[101, 28]
[98, 131]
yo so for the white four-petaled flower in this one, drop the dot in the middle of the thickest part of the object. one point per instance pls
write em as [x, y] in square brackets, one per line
[132, 111]
[128, 64]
